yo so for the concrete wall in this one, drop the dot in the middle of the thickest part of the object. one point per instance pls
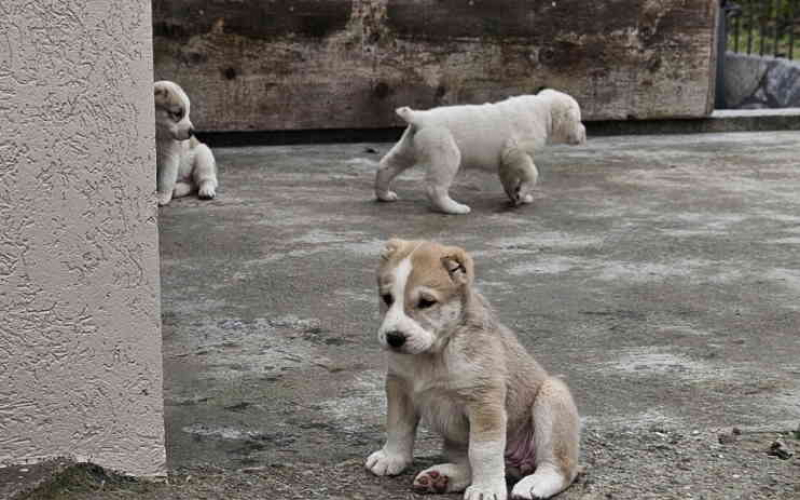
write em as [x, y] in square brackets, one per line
[328, 64]
[758, 82]
[80, 346]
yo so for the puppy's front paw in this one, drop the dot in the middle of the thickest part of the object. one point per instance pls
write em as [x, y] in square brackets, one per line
[495, 490]
[454, 208]
[206, 191]
[387, 196]
[164, 198]
[382, 463]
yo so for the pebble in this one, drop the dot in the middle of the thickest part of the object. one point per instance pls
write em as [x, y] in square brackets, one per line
[779, 449]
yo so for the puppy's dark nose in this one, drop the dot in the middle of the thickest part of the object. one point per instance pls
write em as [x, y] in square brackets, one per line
[395, 339]
[191, 132]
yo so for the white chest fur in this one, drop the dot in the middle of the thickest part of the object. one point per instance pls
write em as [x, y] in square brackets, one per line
[435, 397]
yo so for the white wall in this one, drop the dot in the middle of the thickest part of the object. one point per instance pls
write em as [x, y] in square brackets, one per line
[80, 345]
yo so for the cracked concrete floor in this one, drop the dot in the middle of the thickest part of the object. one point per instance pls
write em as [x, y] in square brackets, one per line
[660, 275]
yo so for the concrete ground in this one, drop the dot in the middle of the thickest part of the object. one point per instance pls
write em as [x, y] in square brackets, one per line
[659, 275]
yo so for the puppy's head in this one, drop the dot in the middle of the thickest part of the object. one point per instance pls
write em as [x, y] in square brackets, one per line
[422, 288]
[172, 112]
[566, 118]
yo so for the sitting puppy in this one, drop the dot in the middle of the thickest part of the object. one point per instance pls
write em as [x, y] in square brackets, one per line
[184, 165]
[453, 365]
[501, 136]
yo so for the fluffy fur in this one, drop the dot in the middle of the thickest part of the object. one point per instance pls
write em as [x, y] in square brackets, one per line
[455, 367]
[501, 137]
[184, 165]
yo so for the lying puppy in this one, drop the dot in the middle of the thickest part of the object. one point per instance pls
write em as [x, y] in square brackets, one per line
[453, 365]
[501, 136]
[184, 165]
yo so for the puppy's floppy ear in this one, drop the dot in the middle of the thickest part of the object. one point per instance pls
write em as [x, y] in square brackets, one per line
[160, 92]
[391, 248]
[458, 265]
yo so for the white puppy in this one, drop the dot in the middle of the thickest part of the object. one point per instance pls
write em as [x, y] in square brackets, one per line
[184, 165]
[501, 137]
[455, 367]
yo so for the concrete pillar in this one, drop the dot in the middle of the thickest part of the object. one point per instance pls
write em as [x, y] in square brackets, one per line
[80, 344]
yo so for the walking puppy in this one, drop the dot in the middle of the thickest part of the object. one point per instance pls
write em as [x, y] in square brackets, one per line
[501, 136]
[454, 366]
[184, 165]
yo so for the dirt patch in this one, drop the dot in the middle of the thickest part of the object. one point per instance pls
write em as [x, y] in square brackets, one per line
[656, 463]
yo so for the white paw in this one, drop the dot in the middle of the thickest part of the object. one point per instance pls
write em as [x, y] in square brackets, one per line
[206, 192]
[542, 484]
[164, 198]
[381, 463]
[387, 196]
[495, 490]
[442, 478]
[528, 198]
[456, 209]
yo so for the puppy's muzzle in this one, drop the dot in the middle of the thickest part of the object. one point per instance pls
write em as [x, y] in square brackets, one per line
[395, 339]
[580, 137]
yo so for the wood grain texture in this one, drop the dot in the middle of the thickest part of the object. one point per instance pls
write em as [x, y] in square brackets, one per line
[318, 64]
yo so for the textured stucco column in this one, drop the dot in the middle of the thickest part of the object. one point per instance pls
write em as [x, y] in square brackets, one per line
[80, 345]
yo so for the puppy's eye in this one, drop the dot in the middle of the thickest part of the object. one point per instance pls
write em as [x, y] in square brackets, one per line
[177, 115]
[387, 299]
[425, 303]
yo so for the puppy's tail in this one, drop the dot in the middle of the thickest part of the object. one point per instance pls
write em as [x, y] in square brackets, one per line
[407, 114]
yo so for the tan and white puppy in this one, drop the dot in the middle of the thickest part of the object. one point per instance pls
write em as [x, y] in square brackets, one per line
[500, 137]
[184, 165]
[467, 377]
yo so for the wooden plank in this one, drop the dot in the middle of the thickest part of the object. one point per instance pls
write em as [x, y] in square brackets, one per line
[316, 64]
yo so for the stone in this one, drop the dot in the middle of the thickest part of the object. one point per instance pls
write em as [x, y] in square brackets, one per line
[781, 84]
[743, 74]
[780, 449]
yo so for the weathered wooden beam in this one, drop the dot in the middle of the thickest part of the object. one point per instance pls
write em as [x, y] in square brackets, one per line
[312, 64]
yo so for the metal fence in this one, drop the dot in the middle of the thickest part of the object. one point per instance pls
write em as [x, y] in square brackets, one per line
[763, 27]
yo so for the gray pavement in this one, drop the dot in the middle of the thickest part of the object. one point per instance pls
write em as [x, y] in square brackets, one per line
[659, 275]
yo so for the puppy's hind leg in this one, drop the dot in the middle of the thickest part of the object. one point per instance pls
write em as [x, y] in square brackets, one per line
[399, 158]
[204, 173]
[556, 437]
[518, 174]
[437, 149]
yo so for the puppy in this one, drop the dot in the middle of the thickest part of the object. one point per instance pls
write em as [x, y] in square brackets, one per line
[184, 165]
[501, 137]
[455, 367]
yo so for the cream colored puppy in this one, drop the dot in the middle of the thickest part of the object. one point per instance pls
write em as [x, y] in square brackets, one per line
[500, 137]
[184, 165]
[456, 368]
